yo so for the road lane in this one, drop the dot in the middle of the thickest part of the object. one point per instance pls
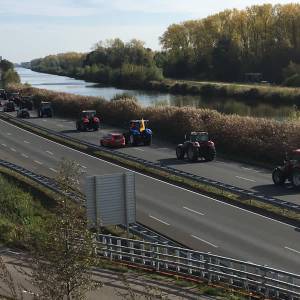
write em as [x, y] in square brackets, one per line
[236, 232]
[237, 174]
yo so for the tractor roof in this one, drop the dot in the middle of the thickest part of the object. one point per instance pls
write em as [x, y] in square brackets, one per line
[296, 151]
[198, 132]
[88, 111]
[138, 121]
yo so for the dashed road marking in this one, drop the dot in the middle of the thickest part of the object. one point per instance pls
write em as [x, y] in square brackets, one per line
[243, 178]
[8, 133]
[49, 152]
[24, 155]
[194, 211]
[26, 142]
[250, 169]
[53, 170]
[204, 241]
[4, 145]
[139, 149]
[13, 149]
[293, 250]
[156, 219]
[38, 162]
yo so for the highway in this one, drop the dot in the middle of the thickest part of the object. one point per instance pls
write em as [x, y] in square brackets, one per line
[236, 174]
[198, 221]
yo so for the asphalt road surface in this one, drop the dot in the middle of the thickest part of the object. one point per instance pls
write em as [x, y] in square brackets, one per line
[236, 174]
[198, 221]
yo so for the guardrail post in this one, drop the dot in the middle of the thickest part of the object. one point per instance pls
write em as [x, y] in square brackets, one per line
[143, 253]
[166, 251]
[291, 280]
[131, 246]
[119, 243]
[177, 254]
[264, 281]
[157, 259]
[152, 254]
[202, 264]
[111, 249]
[190, 263]
[207, 267]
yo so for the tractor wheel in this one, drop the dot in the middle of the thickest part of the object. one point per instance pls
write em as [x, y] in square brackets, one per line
[278, 177]
[180, 152]
[132, 140]
[211, 154]
[296, 178]
[192, 153]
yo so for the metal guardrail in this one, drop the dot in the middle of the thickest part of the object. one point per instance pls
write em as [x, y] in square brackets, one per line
[262, 280]
[162, 254]
[223, 186]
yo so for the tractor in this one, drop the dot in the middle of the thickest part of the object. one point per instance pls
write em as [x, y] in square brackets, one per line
[45, 109]
[138, 133]
[26, 102]
[88, 121]
[196, 144]
[289, 171]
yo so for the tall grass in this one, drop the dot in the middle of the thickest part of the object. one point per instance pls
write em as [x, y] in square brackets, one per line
[251, 138]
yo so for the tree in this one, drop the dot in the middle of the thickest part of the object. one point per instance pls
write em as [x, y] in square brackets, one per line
[62, 260]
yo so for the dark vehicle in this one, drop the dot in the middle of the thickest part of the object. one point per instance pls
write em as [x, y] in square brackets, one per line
[196, 145]
[9, 106]
[113, 140]
[289, 171]
[3, 95]
[138, 133]
[15, 97]
[45, 109]
[88, 121]
[23, 113]
[26, 102]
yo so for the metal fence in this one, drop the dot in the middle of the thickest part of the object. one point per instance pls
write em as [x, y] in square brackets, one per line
[261, 280]
[158, 165]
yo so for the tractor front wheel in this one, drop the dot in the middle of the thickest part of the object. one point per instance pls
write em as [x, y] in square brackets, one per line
[278, 177]
[180, 152]
[296, 178]
[192, 153]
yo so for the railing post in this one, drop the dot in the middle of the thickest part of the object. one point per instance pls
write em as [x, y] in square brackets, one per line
[157, 258]
[177, 254]
[264, 281]
[143, 253]
[166, 251]
[190, 263]
[119, 243]
[207, 267]
[132, 258]
[111, 249]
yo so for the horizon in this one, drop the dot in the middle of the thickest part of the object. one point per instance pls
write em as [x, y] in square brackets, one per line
[32, 29]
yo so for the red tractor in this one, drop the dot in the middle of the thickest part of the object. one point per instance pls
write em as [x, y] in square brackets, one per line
[289, 171]
[88, 121]
[197, 144]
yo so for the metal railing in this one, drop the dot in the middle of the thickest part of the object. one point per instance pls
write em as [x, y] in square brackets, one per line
[158, 165]
[231, 273]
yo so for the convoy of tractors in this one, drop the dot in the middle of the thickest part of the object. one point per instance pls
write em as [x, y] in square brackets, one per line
[196, 145]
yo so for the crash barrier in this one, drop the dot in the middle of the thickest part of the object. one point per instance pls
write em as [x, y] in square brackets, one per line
[160, 166]
[257, 279]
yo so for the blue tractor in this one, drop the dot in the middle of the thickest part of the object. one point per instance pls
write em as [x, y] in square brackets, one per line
[139, 133]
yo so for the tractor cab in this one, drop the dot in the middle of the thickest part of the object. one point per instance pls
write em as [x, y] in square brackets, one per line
[200, 137]
[45, 109]
[87, 121]
[3, 95]
[139, 133]
[139, 125]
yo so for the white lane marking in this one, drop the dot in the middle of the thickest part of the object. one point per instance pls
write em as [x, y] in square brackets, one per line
[293, 250]
[13, 149]
[156, 219]
[38, 162]
[8, 133]
[139, 149]
[59, 125]
[250, 169]
[204, 241]
[24, 155]
[84, 167]
[243, 178]
[154, 179]
[194, 211]
[44, 120]
[49, 152]
[26, 142]
[53, 170]
[4, 145]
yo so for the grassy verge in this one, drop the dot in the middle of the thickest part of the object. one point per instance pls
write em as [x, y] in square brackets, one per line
[216, 192]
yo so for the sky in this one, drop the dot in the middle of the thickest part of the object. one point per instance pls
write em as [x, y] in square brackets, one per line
[35, 28]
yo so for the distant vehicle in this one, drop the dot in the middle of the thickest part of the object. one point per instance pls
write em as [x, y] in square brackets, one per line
[196, 145]
[113, 140]
[23, 113]
[45, 109]
[14, 97]
[26, 102]
[88, 121]
[3, 95]
[9, 106]
[289, 171]
[138, 133]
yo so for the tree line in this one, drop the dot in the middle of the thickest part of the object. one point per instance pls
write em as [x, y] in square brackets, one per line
[262, 39]
[8, 73]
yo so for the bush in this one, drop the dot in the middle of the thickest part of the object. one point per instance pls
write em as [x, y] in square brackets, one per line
[293, 81]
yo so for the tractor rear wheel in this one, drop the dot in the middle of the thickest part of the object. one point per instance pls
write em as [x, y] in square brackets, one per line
[211, 154]
[180, 152]
[278, 177]
[296, 178]
[132, 140]
[148, 140]
[192, 153]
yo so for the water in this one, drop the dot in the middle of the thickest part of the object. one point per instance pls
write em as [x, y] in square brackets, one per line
[148, 98]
